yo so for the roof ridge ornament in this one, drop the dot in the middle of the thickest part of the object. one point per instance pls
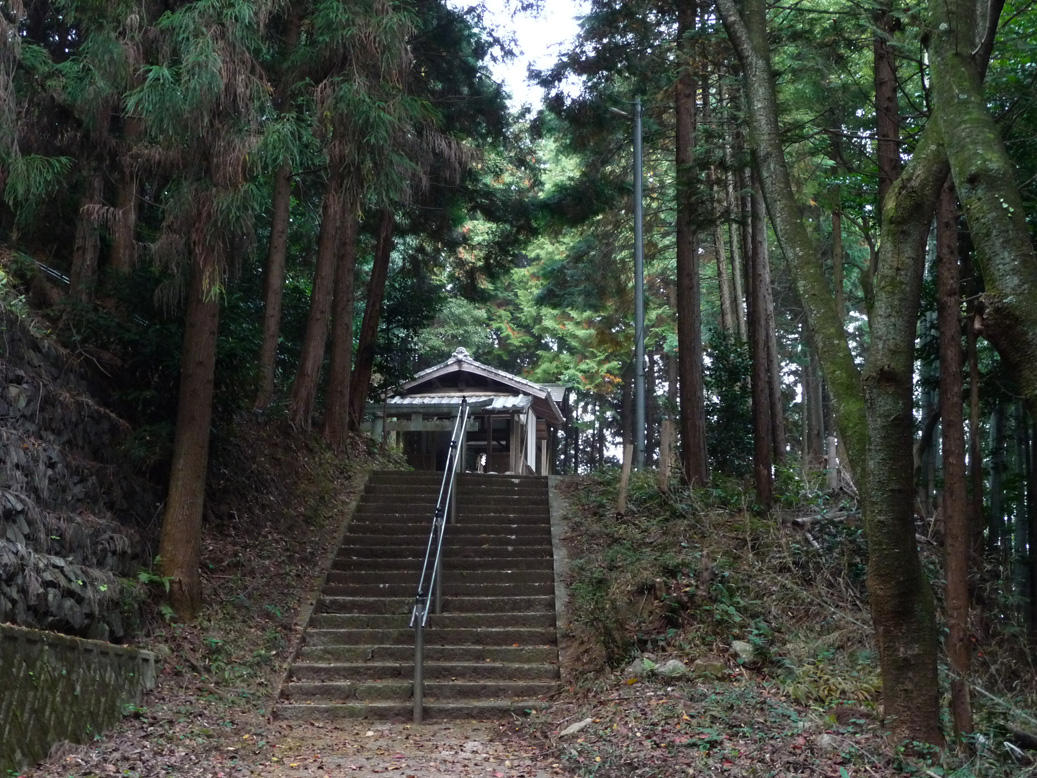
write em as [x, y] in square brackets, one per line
[462, 353]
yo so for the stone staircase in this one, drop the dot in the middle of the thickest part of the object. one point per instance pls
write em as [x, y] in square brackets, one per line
[492, 651]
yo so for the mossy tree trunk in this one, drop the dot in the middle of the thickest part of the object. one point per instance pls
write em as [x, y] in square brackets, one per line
[873, 411]
[984, 178]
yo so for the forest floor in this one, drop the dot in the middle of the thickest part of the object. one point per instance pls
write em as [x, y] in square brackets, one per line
[274, 519]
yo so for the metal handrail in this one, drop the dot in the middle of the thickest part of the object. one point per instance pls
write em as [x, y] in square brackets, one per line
[430, 587]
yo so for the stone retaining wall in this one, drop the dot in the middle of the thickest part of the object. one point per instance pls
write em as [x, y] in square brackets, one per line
[58, 688]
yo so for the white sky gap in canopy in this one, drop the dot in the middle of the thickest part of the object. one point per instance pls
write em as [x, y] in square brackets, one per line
[541, 38]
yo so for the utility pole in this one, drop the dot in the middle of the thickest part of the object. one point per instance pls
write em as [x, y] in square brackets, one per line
[639, 296]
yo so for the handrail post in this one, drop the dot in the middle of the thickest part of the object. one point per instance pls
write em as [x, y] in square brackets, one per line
[419, 672]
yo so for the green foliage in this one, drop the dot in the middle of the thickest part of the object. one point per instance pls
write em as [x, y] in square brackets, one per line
[31, 179]
[729, 404]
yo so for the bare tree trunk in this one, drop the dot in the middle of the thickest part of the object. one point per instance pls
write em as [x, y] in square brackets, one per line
[273, 285]
[626, 407]
[813, 442]
[307, 375]
[83, 275]
[887, 109]
[976, 519]
[777, 412]
[735, 215]
[575, 431]
[360, 384]
[276, 258]
[996, 525]
[763, 447]
[838, 282]
[689, 318]
[180, 544]
[727, 313]
[955, 502]
[336, 412]
[1031, 593]
[124, 251]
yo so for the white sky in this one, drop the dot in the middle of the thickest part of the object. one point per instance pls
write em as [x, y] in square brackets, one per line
[541, 39]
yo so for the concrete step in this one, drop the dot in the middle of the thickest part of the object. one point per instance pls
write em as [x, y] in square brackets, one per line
[463, 529]
[451, 575]
[472, 671]
[403, 490]
[434, 636]
[535, 496]
[490, 710]
[533, 619]
[404, 476]
[489, 480]
[502, 515]
[401, 690]
[389, 550]
[496, 508]
[394, 567]
[332, 603]
[434, 654]
[409, 588]
[392, 516]
[471, 540]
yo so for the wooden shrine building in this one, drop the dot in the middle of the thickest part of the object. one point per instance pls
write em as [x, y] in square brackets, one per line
[511, 424]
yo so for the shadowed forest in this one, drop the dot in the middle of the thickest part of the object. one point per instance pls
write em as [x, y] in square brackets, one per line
[229, 210]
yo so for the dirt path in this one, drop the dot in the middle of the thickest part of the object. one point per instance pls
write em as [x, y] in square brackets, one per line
[450, 750]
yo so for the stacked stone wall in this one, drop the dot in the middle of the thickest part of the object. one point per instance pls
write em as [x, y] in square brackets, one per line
[76, 524]
[58, 688]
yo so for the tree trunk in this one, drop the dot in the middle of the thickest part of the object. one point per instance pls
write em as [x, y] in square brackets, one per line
[734, 209]
[180, 545]
[777, 411]
[749, 35]
[336, 412]
[996, 527]
[976, 519]
[984, 177]
[273, 286]
[1031, 593]
[875, 424]
[813, 411]
[887, 110]
[727, 314]
[307, 375]
[82, 281]
[689, 317]
[838, 281]
[626, 407]
[763, 448]
[957, 534]
[124, 250]
[273, 282]
[902, 604]
[651, 408]
[360, 384]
